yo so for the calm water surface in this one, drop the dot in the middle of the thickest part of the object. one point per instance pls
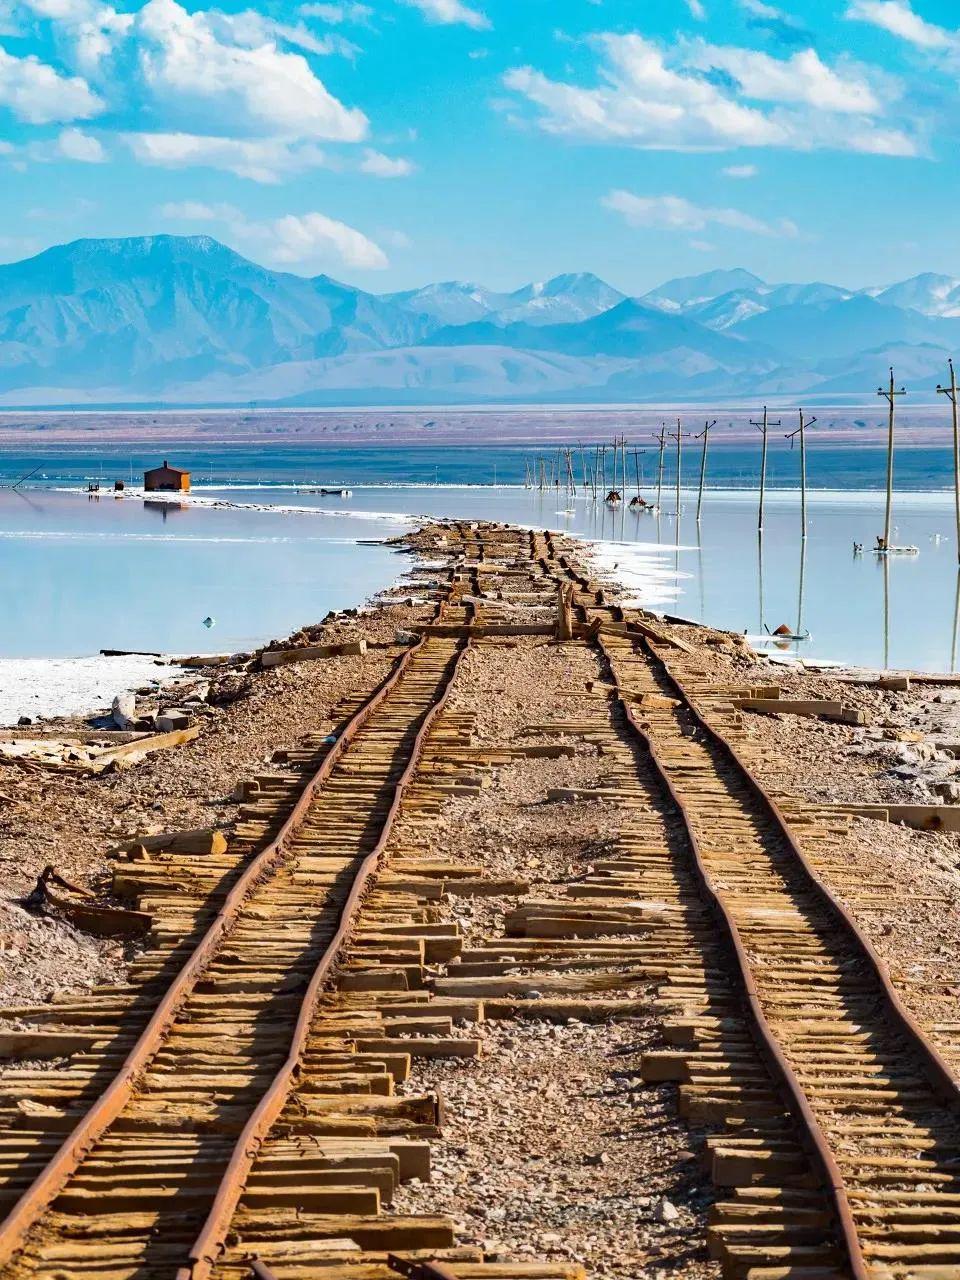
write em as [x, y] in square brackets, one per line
[78, 574]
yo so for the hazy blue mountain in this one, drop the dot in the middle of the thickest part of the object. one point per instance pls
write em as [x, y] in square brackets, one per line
[451, 302]
[165, 308]
[188, 320]
[934, 295]
[629, 329]
[822, 330]
[684, 291]
[562, 300]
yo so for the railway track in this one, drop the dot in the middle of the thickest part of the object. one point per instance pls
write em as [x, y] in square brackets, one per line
[877, 1106]
[133, 1161]
[238, 1100]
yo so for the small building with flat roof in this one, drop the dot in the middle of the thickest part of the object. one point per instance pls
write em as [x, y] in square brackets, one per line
[166, 478]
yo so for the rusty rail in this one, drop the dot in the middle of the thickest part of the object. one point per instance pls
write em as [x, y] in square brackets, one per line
[210, 1243]
[937, 1069]
[82, 1138]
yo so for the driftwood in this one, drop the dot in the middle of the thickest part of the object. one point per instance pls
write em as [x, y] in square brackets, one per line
[79, 907]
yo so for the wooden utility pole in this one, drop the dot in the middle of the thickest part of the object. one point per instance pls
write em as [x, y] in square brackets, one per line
[951, 392]
[636, 467]
[583, 467]
[890, 395]
[763, 425]
[678, 436]
[661, 440]
[703, 462]
[801, 432]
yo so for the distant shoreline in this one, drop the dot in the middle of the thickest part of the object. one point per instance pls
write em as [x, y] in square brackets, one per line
[480, 427]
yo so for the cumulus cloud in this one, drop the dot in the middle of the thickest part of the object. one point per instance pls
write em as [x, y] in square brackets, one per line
[381, 166]
[234, 89]
[259, 159]
[675, 213]
[74, 144]
[702, 97]
[311, 241]
[897, 17]
[308, 238]
[802, 77]
[450, 11]
[38, 94]
[213, 68]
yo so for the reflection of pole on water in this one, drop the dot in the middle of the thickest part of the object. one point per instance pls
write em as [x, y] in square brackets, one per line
[803, 563]
[760, 575]
[886, 613]
[956, 619]
[703, 607]
[703, 465]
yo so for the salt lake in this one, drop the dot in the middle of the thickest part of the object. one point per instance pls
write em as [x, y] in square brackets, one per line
[79, 573]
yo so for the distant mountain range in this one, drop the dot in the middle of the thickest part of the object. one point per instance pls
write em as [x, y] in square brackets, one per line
[186, 320]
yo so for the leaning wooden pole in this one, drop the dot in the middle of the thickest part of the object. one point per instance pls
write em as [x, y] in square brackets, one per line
[951, 392]
[703, 464]
[661, 440]
[762, 426]
[801, 431]
[890, 395]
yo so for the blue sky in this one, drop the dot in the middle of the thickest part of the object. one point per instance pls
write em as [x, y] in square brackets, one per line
[395, 142]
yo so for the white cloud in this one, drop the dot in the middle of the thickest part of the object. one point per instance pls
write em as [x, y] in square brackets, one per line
[802, 77]
[675, 213]
[311, 241]
[259, 159]
[197, 211]
[740, 171]
[450, 11]
[702, 246]
[38, 94]
[192, 70]
[309, 238]
[381, 166]
[697, 10]
[897, 17]
[337, 13]
[654, 99]
[74, 144]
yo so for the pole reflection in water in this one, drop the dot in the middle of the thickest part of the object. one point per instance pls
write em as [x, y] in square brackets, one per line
[760, 630]
[803, 564]
[886, 612]
[956, 619]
